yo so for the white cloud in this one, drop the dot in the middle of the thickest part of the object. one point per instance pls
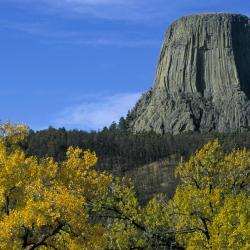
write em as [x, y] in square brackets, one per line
[92, 2]
[96, 111]
[94, 38]
[132, 10]
[117, 42]
[105, 9]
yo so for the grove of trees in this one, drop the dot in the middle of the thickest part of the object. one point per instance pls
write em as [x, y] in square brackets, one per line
[117, 146]
[68, 204]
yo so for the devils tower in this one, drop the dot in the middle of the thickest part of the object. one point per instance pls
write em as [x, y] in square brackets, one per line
[203, 78]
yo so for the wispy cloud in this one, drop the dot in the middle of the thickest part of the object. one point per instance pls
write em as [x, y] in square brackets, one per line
[105, 9]
[117, 42]
[81, 2]
[96, 111]
[132, 10]
[94, 38]
[92, 2]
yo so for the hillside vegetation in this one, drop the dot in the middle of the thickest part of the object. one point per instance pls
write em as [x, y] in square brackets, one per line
[46, 204]
[117, 146]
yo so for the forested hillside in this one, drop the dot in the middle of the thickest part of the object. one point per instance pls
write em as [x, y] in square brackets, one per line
[116, 146]
[148, 159]
[45, 204]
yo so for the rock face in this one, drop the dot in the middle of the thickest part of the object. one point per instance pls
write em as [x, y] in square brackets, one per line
[203, 78]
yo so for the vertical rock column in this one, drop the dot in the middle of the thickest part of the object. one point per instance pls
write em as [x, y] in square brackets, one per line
[202, 80]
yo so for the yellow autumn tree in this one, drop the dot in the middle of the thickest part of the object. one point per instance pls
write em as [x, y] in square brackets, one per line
[69, 205]
[211, 206]
[132, 226]
[44, 204]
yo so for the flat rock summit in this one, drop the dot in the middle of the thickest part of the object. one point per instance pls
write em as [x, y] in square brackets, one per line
[203, 78]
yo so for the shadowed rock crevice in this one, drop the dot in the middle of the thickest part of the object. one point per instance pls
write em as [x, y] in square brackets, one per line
[240, 40]
[202, 80]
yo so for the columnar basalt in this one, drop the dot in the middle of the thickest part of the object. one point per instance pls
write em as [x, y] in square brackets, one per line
[203, 78]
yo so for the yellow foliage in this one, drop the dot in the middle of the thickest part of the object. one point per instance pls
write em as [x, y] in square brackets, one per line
[211, 206]
[69, 205]
[44, 204]
[231, 225]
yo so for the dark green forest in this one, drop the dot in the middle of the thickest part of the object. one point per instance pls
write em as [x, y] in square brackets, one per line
[117, 146]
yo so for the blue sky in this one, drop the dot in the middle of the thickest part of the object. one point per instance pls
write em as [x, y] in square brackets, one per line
[83, 63]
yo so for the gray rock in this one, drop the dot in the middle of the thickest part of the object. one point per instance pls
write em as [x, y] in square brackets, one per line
[203, 78]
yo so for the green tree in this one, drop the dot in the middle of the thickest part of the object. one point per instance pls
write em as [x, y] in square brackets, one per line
[123, 124]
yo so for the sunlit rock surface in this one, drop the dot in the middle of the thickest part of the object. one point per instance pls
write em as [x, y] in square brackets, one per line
[203, 78]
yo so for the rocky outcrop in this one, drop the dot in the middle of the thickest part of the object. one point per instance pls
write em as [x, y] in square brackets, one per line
[203, 78]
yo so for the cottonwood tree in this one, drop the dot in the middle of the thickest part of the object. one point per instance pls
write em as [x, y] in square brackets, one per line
[211, 207]
[69, 205]
[44, 204]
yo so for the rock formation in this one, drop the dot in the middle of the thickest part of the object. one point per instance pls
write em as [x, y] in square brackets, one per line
[203, 78]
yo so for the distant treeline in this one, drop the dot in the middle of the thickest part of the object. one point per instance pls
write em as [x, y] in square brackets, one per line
[116, 146]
